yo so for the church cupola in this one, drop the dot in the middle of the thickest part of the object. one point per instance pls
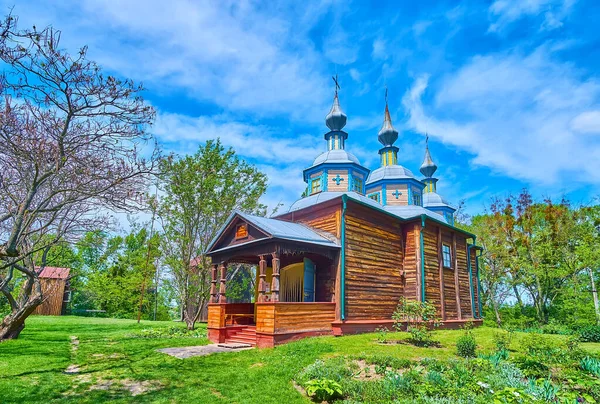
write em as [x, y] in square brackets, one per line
[335, 121]
[335, 170]
[387, 136]
[428, 168]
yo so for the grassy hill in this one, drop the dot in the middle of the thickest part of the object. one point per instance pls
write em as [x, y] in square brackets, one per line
[116, 360]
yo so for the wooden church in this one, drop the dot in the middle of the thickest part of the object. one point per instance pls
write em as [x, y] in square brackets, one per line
[341, 258]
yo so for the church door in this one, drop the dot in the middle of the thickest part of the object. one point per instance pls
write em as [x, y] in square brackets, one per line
[309, 280]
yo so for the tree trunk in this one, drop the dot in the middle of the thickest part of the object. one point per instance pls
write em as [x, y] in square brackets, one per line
[496, 312]
[519, 300]
[14, 323]
[595, 296]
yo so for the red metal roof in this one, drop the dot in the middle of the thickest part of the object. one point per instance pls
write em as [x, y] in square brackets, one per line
[55, 273]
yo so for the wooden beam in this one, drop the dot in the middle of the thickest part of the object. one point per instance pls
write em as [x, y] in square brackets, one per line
[275, 279]
[441, 271]
[213, 284]
[223, 288]
[262, 283]
[417, 236]
[456, 285]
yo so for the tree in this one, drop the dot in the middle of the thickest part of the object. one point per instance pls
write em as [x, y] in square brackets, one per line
[200, 192]
[71, 142]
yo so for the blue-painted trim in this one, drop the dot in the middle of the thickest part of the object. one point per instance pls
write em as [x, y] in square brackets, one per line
[469, 246]
[350, 181]
[422, 258]
[343, 261]
[393, 181]
[328, 135]
[384, 195]
[336, 166]
[410, 201]
[479, 285]
[324, 181]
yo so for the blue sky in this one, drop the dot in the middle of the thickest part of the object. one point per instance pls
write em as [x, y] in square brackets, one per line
[507, 90]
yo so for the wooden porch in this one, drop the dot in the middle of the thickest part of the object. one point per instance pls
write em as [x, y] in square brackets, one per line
[274, 322]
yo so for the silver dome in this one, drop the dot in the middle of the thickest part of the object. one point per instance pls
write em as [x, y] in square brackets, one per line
[428, 168]
[390, 172]
[336, 119]
[433, 199]
[387, 134]
[336, 156]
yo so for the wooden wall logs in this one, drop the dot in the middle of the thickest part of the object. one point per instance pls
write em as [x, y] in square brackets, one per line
[410, 234]
[53, 291]
[374, 264]
[284, 318]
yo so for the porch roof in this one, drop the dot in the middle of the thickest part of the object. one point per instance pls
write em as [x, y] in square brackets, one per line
[274, 229]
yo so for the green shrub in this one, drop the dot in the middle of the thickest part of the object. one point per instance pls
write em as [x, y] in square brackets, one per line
[323, 389]
[532, 367]
[335, 369]
[591, 365]
[502, 340]
[466, 346]
[382, 334]
[169, 332]
[417, 318]
[591, 333]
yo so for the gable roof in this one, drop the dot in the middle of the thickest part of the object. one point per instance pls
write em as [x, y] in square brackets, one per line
[274, 228]
[54, 273]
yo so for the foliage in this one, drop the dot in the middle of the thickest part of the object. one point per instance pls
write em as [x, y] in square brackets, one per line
[466, 346]
[419, 318]
[502, 340]
[323, 389]
[200, 192]
[544, 256]
[382, 334]
[169, 332]
[591, 365]
[591, 333]
[70, 149]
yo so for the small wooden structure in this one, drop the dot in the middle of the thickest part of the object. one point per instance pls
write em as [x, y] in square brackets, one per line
[56, 291]
[343, 256]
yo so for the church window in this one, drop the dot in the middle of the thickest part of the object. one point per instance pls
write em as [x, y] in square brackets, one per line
[357, 185]
[447, 256]
[417, 198]
[374, 196]
[316, 185]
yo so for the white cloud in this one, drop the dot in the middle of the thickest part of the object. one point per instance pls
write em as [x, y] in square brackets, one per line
[517, 115]
[504, 12]
[587, 122]
[379, 49]
[339, 47]
[239, 55]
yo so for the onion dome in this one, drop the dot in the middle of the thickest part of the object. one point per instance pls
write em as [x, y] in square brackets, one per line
[336, 119]
[433, 199]
[428, 168]
[336, 156]
[387, 134]
[391, 172]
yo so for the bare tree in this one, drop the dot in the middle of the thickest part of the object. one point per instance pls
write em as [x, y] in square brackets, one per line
[72, 141]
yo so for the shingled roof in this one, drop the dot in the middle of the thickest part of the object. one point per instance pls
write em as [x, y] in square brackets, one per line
[54, 273]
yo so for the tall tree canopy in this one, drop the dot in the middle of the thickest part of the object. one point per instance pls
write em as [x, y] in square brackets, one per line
[71, 139]
[200, 191]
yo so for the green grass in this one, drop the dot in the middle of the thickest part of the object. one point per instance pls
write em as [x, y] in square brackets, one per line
[32, 367]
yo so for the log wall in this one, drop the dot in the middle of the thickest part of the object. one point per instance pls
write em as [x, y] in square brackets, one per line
[53, 291]
[374, 264]
[287, 318]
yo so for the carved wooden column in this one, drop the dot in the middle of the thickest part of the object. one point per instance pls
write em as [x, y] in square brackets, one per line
[213, 284]
[223, 288]
[262, 283]
[275, 280]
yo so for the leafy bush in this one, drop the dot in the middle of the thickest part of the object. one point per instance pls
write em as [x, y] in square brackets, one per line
[591, 365]
[170, 332]
[419, 318]
[466, 346]
[554, 327]
[335, 369]
[531, 367]
[591, 333]
[323, 389]
[382, 334]
[502, 340]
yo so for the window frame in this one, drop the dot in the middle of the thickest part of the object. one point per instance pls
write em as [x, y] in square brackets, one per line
[449, 253]
[313, 189]
[356, 181]
[377, 196]
[237, 229]
[416, 197]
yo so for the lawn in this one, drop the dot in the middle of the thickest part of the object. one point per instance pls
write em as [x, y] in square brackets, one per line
[115, 354]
